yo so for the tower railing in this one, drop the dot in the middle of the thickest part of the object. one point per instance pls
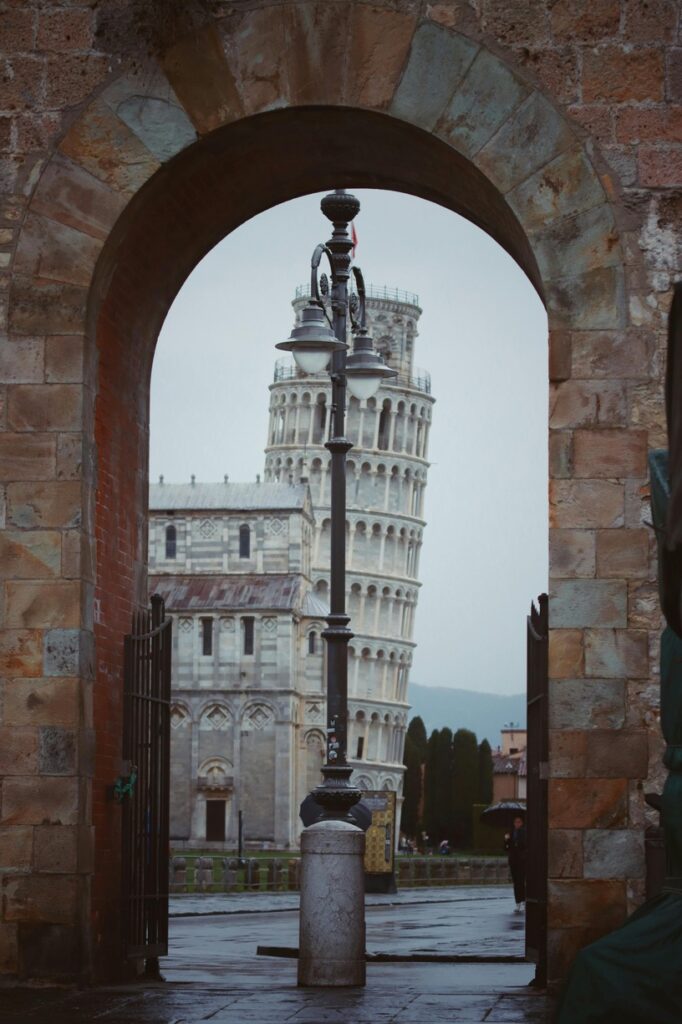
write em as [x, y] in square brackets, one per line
[420, 380]
[373, 291]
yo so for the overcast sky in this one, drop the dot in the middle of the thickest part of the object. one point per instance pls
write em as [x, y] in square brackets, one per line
[482, 336]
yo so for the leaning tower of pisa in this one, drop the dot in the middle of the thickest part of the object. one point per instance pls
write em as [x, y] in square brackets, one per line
[387, 470]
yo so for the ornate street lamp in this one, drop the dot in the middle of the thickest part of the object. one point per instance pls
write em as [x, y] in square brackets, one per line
[316, 340]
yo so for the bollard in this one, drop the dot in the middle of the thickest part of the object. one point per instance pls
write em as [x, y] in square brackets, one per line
[178, 873]
[293, 873]
[332, 920]
[274, 875]
[252, 874]
[203, 873]
[230, 866]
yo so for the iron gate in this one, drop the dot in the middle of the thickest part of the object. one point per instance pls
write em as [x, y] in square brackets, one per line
[145, 795]
[537, 627]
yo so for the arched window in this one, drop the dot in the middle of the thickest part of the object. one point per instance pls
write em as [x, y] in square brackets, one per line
[244, 542]
[312, 642]
[171, 541]
[248, 630]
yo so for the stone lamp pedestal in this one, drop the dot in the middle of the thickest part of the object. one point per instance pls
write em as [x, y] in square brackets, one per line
[332, 922]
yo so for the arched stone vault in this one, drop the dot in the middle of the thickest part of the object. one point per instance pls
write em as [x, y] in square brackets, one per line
[151, 171]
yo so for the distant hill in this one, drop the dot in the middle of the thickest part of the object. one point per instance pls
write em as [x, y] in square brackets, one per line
[483, 713]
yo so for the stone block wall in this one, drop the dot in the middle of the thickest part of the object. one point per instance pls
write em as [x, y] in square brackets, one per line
[130, 145]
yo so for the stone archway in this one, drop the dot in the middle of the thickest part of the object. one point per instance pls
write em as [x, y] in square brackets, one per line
[151, 173]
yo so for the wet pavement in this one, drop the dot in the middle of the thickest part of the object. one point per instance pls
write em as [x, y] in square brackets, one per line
[214, 974]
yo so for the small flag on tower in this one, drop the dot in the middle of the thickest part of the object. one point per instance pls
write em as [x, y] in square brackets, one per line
[354, 236]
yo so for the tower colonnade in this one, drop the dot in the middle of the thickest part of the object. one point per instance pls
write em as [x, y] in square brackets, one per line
[386, 476]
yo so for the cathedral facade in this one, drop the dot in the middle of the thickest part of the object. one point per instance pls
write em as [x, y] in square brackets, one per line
[244, 571]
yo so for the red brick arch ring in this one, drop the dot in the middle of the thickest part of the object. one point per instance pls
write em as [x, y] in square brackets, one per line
[159, 167]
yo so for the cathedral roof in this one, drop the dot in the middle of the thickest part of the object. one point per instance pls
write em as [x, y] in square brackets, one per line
[227, 496]
[271, 591]
[313, 606]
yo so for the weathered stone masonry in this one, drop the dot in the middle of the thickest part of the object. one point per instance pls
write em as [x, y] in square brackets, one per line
[554, 126]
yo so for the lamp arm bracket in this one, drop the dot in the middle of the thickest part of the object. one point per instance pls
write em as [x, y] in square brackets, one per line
[358, 315]
[322, 286]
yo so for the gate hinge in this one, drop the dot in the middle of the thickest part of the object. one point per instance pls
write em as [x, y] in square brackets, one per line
[124, 785]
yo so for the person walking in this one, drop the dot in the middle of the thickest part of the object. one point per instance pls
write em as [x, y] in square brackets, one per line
[515, 845]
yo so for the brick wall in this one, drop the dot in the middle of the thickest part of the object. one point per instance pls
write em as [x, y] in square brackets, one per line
[554, 126]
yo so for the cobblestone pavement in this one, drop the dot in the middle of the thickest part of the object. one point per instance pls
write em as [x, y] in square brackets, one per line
[213, 973]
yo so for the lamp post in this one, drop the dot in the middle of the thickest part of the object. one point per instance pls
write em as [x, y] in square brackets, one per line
[332, 919]
[316, 341]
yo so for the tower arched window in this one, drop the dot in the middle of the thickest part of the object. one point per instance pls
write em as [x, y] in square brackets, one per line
[244, 541]
[171, 542]
[312, 642]
[384, 421]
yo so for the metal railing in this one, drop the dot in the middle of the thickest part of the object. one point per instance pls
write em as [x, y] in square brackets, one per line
[420, 380]
[373, 291]
[224, 872]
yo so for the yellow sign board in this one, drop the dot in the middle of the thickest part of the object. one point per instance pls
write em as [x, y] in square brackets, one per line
[380, 836]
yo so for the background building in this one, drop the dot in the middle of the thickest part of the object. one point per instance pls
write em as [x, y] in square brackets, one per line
[244, 570]
[510, 765]
[386, 478]
[232, 562]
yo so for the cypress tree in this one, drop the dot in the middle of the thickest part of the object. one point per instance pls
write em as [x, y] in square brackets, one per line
[485, 773]
[465, 786]
[438, 789]
[416, 745]
[416, 730]
[412, 789]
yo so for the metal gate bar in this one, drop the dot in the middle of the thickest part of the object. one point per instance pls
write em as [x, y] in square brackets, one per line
[537, 632]
[146, 747]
